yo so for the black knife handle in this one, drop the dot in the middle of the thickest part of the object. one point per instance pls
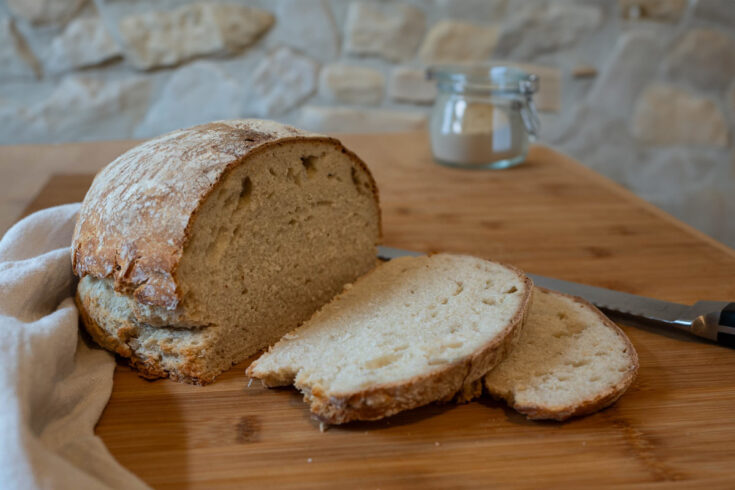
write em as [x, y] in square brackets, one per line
[727, 319]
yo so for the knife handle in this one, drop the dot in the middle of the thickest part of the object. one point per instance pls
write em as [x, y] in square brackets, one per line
[726, 332]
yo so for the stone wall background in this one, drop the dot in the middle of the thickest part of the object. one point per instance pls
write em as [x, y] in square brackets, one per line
[642, 91]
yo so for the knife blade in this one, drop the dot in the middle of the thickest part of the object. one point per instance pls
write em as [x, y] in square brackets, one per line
[711, 320]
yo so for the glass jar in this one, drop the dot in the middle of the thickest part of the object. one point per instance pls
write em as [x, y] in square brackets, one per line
[483, 116]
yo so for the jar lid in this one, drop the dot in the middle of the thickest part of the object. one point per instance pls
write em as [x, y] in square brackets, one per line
[483, 78]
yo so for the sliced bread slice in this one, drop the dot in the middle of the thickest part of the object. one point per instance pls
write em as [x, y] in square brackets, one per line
[570, 360]
[410, 332]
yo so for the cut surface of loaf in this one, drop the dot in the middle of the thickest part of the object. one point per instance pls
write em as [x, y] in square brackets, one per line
[203, 246]
[570, 360]
[410, 332]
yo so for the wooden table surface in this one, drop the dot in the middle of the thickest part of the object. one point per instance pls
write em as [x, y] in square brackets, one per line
[551, 216]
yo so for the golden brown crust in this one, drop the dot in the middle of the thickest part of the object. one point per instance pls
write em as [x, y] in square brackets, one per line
[601, 400]
[390, 398]
[468, 393]
[135, 221]
[146, 367]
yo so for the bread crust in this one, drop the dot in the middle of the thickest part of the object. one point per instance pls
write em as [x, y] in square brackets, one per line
[594, 404]
[136, 233]
[440, 385]
[118, 342]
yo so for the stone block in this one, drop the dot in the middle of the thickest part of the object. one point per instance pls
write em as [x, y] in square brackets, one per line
[351, 84]
[666, 115]
[88, 108]
[197, 93]
[545, 27]
[307, 25]
[13, 124]
[453, 41]
[16, 59]
[720, 11]
[45, 11]
[389, 30]
[166, 38]
[280, 82]
[704, 58]
[599, 140]
[473, 10]
[625, 73]
[84, 42]
[692, 184]
[408, 84]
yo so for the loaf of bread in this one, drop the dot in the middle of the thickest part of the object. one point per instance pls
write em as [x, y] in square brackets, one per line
[199, 248]
[570, 360]
[410, 332]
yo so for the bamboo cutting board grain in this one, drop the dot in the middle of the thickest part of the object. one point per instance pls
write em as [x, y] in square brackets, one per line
[676, 425]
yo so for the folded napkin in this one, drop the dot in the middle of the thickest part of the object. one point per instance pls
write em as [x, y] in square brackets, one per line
[53, 387]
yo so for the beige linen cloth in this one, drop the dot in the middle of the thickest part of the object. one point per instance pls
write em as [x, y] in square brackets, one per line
[53, 387]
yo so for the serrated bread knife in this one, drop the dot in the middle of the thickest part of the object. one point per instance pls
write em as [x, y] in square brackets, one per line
[712, 320]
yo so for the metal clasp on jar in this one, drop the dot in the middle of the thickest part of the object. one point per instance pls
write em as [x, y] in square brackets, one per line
[527, 88]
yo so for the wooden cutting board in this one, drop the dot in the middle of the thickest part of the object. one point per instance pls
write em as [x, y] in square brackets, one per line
[676, 425]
